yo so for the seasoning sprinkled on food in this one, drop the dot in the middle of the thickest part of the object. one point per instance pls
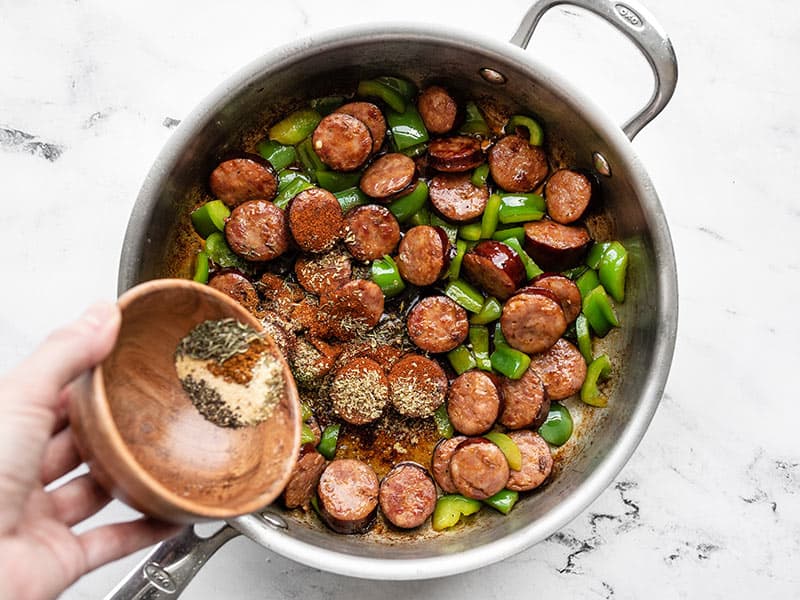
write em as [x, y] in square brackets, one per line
[229, 372]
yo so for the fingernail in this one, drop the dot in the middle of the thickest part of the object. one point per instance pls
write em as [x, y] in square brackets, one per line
[99, 314]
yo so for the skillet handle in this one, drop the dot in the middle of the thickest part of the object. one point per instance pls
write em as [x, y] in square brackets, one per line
[636, 22]
[169, 568]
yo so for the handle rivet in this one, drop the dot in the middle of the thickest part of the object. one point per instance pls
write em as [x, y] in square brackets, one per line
[492, 76]
[274, 520]
[601, 164]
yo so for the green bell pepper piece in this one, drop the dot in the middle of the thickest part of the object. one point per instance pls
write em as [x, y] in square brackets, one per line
[557, 428]
[219, 252]
[287, 176]
[535, 132]
[421, 217]
[327, 104]
[407, 127]
[296, 127]
[305, 412]
[210, 217]
[480, 175]
[612, 270]
[598, 370]
[306, 435]
[490, 216]
[443, 425]
[490, 312]
[470, 231]
[278, 155]
[584, 339]
[599, 312]
[385, 273]
[415, 151]
[407, 206]
[501, 235]
[508, 361]
[498, 338]
[503, 501]
[474, 123]
[309, 159]
[402, 86]
[461, 359]
[334, 181]
[350, 198]
[596, 253]
[479, 340]
[328, 440]
[455, 265]
[450, 508]
[531, 268]
[450, 229]
[575, 272]
[520, 208]
[291, 190]
[587, 281]
[201, 267]
[508, 447]
[375, 89]
[465, 295]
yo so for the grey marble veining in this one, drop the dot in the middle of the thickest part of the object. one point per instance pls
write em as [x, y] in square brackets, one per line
[709, 506]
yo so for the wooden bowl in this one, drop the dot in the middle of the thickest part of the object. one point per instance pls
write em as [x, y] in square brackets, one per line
[142, 437]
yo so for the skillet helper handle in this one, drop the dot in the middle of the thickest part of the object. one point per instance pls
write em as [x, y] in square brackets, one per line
[638, 25]
[169, 568]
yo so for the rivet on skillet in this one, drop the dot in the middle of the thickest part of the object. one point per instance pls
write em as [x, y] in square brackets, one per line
[492, 76]
[274, 520]
[601, 164]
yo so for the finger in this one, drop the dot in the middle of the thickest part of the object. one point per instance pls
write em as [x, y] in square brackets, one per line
[78, 499]
[61, 410]
[66, 353]
[110, 542]
[60, 456]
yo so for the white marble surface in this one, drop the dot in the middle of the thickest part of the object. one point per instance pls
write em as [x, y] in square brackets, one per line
[710, 504]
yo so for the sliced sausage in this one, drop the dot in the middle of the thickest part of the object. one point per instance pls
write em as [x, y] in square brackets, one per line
[237, 286]
[352, 309]
[525, 401]
[567, 194]
[323, 273]
[348, 496]
[437, 324]
[532, 322]
[516, 166]
[360, 391]
[455, 197]
[478, 468]
[565, 290]
[438, 109]
[417, 386]
[342, 142]
[241, 179]
[556, 247]
[440, 462]
[371, 116]
[424, 255]
[280, 331]
[257, 230]
[304, 479]
[455, 154]
[494, 267]
[537, 461]
[309, 365]
[316, 431]
[473, 403]
[407, 495]
[388, 175]
[315, 219]
[370, 232]
[561, 368]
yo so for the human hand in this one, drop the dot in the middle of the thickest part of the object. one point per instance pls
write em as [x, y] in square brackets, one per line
[39, 554]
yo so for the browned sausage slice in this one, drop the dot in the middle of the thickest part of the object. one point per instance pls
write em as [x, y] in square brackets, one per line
[440, 462]
[473, 403]
[437, 324]
[280, 331]
[342, 142]
[320, 274]
[478, 468]
[352, 309]
[567, 194]
[424, 255]
[240, 179]
[348, 496]
[561, 368]
[407, 495]
[455, 154]
[388, 175]
[359, 391]
[516, 166]
[315, 219]
[556, 247]
[455, 198]
[238, 287]
[537, 461]
[525, 401]
[304, 479]
[257, 230]
[417, 386]
[370, 232]
[309, 365]
[438, 109]
[371, 116]
[565, 290]
[532, 322]
[495, 267]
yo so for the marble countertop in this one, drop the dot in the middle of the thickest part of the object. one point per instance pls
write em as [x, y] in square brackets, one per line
[710, 503]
